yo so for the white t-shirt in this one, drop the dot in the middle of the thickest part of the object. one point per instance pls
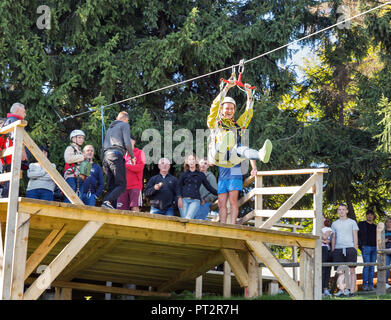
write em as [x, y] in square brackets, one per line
[324, 230]
[343, 230]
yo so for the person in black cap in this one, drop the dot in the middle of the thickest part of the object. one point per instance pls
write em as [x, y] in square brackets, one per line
[116, 144]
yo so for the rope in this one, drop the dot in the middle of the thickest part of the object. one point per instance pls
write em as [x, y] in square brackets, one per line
[233, 66]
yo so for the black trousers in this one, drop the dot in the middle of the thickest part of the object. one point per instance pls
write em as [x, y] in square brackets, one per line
[326, 257]
[114, 165]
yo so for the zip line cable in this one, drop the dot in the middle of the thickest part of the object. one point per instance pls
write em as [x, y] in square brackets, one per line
[230, 67]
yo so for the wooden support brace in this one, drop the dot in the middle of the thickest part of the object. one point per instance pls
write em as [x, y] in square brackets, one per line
[237, 266]
[62, 260]
[264, 254]
[293, 199]
[53, 173]
[44, 248]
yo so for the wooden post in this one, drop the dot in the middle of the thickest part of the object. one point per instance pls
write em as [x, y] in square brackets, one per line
[258, 205]
[21, 242]
[227, 280]
[198, 289]
[252, 270]
[307, 272]
[381, 258]
[12, 217]
[317, 230]
[294, 256]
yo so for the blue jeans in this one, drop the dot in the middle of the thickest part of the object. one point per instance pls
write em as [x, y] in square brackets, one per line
[73, 183]
[88, 199]
[203, 211]
[368, 255]
[388, 262]
[189, 208]
[43, 194]
[166, 212]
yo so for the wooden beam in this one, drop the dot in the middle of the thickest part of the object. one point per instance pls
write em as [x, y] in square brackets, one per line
[291, 172]
[170, 224]
[62, 260]
[44, 248]
[252, 269]
[307, 273]
[227, 280]
[198, 288]
[104, 289]
[317, 231]
[264, 254]
[290, 202]
[21, 242]
[237, 266]
[206, 264]
[12, 217]
[53, 173]
[11, 126]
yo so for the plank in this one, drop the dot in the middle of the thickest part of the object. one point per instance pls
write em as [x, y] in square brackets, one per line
[43, 249]
[307, 273]
[7, 176]
[237, 266]
[53, 173]
[291, 172]
[227, 280]
[293, 199]
[206, 264]
[278, 190]
[62, 260]
[11, 226]
[297, 214]
[252, 269]
[11, 126]
[266, 256]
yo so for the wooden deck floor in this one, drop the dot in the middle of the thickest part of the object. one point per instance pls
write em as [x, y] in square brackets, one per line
[139, 248]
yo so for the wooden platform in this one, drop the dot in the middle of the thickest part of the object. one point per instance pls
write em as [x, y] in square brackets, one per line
[139, 248]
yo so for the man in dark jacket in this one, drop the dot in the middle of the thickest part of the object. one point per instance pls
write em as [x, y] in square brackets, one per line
[116, 143]
[367, 245]
[161, 190]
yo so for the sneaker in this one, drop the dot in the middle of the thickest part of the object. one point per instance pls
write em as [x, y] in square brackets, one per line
[364, 288]
[371, 289]
[351, 295]
[388, 286]
[339, 294]
[347, 292]
[107, 204]
[326, 293]
[264, 153]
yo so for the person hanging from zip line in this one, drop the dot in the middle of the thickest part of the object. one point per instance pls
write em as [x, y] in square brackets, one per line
[225, 148]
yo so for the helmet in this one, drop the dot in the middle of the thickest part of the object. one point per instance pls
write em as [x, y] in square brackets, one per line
[229, 100]
[75, 133]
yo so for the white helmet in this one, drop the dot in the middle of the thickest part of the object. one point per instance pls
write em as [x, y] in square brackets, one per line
[75, 133]
[229, 100]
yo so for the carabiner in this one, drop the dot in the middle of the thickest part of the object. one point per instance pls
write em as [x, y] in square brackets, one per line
[241, 66]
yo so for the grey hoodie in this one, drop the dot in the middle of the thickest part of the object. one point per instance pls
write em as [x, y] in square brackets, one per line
[118, 138]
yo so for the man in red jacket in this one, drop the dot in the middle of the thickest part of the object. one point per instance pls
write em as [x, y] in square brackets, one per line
[131, 198]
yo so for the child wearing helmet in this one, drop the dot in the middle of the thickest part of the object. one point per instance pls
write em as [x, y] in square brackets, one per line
[73, 156]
